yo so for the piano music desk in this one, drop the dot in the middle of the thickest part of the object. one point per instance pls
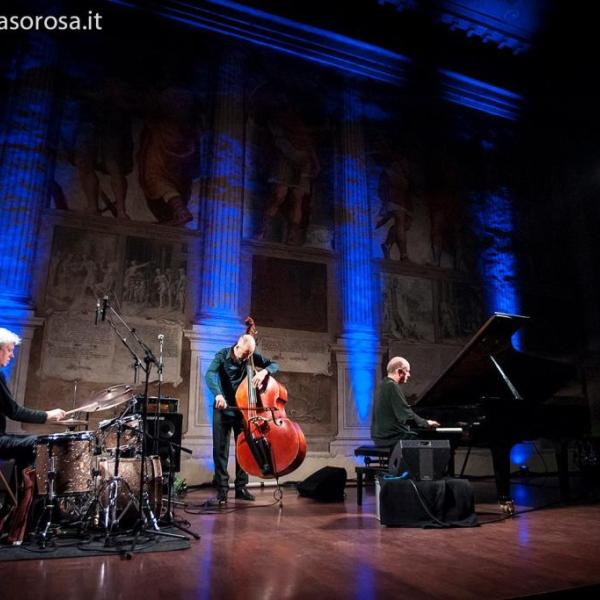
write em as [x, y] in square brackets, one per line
[376, 459]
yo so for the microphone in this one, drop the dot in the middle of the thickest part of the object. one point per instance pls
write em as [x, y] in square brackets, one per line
[104, 307]
[97, 311]
[161, 339]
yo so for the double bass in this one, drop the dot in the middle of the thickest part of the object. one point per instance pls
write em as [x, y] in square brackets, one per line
[271, 444]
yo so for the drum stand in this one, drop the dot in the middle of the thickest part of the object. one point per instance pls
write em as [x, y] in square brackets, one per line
[45, 520]
[110, 520]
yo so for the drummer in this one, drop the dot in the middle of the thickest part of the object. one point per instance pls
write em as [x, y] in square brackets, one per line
[19, 447]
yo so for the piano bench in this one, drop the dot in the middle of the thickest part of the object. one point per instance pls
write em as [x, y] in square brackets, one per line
[376, 459]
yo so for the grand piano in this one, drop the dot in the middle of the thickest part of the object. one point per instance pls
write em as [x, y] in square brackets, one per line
[499, 396]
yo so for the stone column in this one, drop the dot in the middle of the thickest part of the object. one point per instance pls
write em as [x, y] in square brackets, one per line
[357, 351]
[24, 166]
[218, 322]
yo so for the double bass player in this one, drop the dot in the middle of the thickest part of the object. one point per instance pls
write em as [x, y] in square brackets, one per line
[224, 375]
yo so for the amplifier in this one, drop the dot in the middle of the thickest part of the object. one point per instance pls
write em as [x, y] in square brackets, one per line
[167, 430]
[167, 405]
[424, 460]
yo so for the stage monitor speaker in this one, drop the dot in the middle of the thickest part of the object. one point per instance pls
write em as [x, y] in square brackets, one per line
[424, 460]
[167, 427]
[325, 485]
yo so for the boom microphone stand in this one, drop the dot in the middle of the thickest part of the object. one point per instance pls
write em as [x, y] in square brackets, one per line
[145, 512]
[168, 518]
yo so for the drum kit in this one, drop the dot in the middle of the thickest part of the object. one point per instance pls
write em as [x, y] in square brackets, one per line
[94, 479]
[103, 479]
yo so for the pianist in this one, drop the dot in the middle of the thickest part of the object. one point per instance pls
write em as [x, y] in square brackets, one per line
[392, 416]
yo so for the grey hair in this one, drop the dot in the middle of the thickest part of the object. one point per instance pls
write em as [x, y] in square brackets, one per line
[8, 337]
[397, 363]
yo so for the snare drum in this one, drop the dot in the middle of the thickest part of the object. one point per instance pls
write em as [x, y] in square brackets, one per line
[72, 456]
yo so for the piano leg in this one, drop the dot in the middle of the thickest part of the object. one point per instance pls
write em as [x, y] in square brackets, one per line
[501, 462]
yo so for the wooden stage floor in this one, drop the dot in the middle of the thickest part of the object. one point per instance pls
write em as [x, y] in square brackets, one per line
[311, 550]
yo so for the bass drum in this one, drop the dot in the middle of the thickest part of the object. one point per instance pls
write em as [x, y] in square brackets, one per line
[129, 471]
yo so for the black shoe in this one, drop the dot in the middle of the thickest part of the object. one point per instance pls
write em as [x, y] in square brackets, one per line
[244, 494]
[219, 500]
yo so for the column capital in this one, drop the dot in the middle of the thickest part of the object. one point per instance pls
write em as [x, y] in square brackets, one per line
[209, 333]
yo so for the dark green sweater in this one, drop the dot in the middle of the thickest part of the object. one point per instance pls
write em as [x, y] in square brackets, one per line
[391, 414]
[9, 408]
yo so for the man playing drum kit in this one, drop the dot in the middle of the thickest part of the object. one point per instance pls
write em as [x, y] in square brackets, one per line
[19, 447]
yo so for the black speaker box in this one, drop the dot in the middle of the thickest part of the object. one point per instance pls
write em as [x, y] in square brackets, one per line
[445, 502]
[167, 427]
[325, 485]
[424, 460]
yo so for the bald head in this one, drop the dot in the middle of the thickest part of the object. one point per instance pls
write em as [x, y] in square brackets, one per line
[245, 347]
[398, 369]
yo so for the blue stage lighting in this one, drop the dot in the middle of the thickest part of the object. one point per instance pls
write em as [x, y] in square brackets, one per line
[493, 224]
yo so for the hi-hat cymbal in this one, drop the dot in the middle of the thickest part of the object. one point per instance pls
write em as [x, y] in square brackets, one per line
[108, 398]
[68, 422]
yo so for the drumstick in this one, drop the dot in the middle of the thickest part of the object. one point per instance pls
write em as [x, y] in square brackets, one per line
[76, 410]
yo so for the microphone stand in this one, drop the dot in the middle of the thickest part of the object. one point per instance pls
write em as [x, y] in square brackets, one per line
[169, 517]
[155, 449]
[149, 359]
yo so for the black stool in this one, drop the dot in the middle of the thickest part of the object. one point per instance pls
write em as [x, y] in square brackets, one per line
[376, 459]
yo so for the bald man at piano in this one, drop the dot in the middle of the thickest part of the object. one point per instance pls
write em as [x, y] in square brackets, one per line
[392, 415]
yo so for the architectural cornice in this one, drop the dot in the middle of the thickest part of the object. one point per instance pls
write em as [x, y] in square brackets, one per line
[508, 24]
[284, 35]
[324, 47]
[479, 95]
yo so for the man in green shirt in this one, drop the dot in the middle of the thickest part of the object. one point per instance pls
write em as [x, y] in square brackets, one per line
[391, 411]
[223, 377]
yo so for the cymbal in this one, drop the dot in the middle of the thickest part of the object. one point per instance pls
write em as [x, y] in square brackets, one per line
[108, 398]
[68, 422]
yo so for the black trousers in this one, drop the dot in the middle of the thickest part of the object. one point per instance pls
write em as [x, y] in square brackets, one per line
[19, 447]
[223, 425]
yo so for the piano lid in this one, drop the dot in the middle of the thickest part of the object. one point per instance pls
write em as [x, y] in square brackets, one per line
[474, 375]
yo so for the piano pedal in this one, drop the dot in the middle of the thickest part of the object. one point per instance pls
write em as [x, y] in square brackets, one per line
[507, 506]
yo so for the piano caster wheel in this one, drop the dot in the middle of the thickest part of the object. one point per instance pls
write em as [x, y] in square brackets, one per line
[507, 506]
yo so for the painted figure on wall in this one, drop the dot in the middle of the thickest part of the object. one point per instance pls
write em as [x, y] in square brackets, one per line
[83, 267]
[407, 308]
[395, 190]
[154, 281]
[446, 214]
[460, 310]
[168, 155]
[294, 165]
[96, 137]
